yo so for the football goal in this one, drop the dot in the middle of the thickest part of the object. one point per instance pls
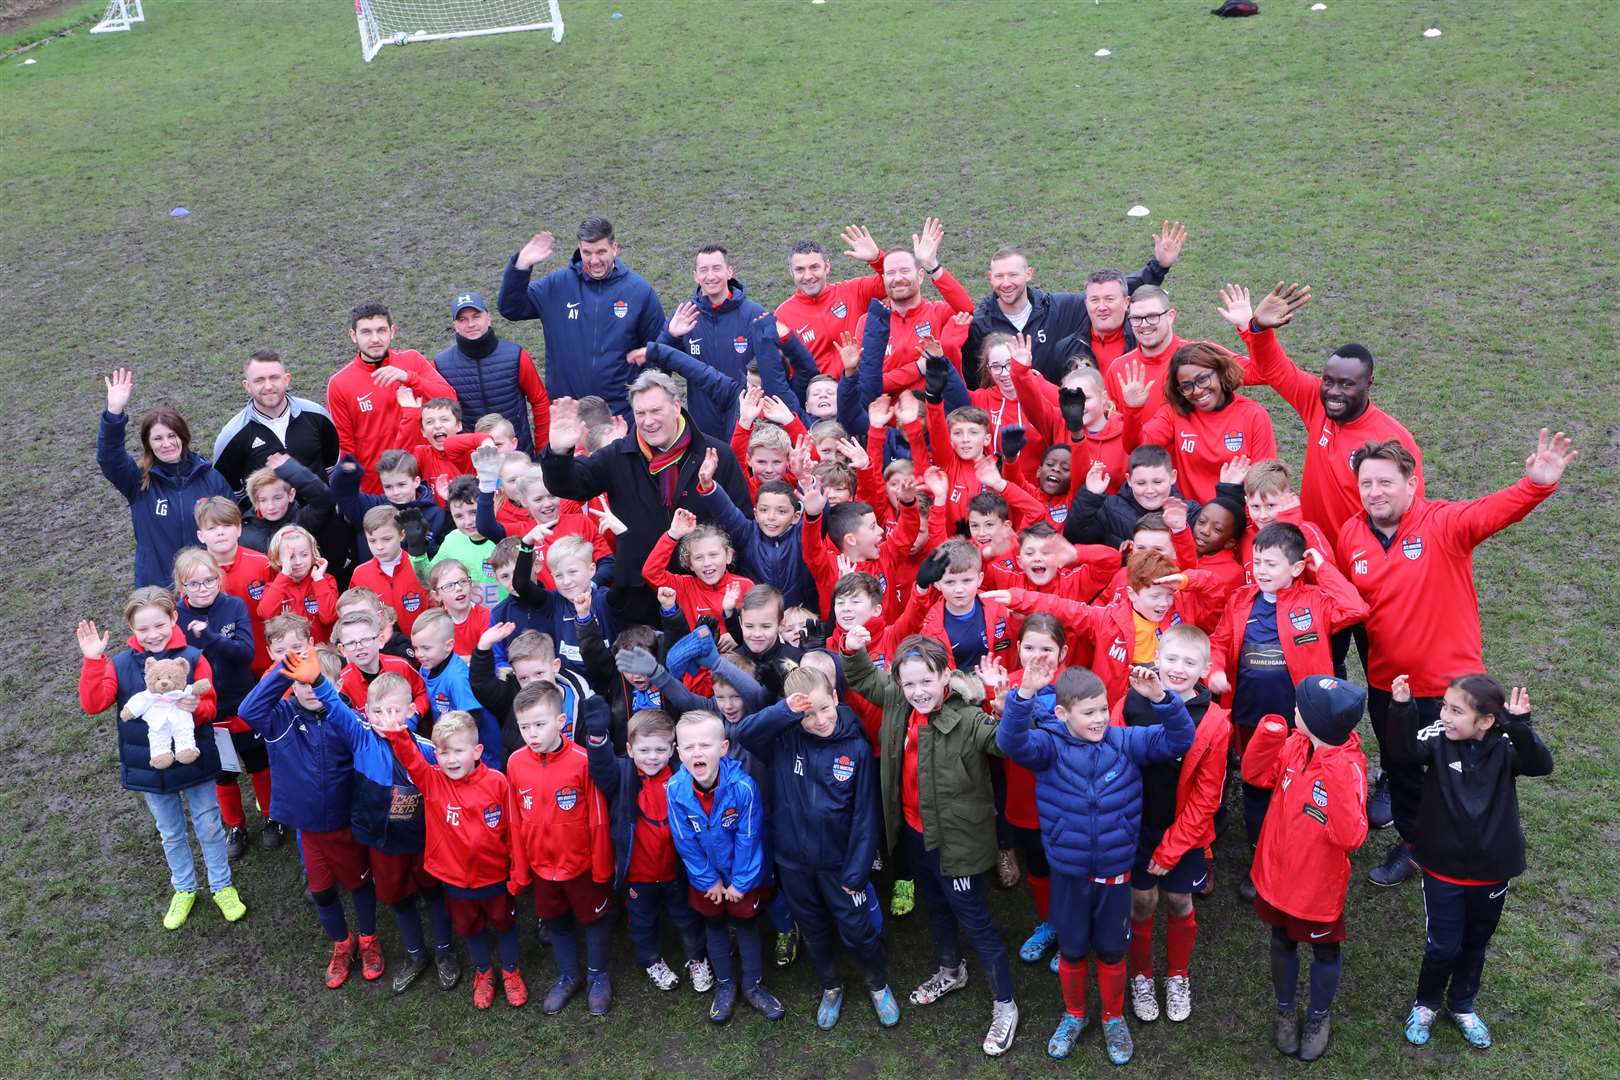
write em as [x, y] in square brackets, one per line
[120, 15]
[400, 22]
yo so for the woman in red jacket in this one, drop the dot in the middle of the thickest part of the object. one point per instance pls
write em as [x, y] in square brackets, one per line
[1208, 422]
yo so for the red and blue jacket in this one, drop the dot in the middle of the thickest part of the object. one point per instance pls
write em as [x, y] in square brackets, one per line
[386, 809]
[311, 764]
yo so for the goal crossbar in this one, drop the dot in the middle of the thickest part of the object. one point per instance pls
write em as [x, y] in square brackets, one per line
[376, 32]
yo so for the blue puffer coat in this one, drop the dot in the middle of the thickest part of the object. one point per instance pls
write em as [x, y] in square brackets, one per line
[1089, 794]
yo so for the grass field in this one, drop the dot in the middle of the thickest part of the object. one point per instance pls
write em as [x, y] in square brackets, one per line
[1448, 199]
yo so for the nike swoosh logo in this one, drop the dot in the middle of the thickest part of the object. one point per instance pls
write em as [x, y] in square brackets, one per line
[1200, 881]
[1498, 893]
[1323, 934]
[601, 907]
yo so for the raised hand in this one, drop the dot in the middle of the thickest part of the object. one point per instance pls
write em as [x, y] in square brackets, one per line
[857, 638]
[1038, 674]
[750, 403]
[1518, 702]
[907, 410]
[607, 519]
[1097, 478]
[931, 347]
[537, 250]
[1400, 689]
[849, 351]
[880, 412]
[812, 500]
[777, 412]
[705, 476]
[985, 471]
[497, 632]
[666, 598]
[318, 570]
[389, 375]
[1235, 307]
[1278, 308]
[92, 642]
[1134, 385]
[905, 489]
[276, 461]
[441, 487]
[540, 535]
[682, 524]
[566, 429]
[406, 398]
[962, 318]
[855, 453]
[938, 483]
[1552, 457]
[1172, 581]
[800, 703]
[858, 243]
[685, 319]
[1219, 684]
[582, 605]
[997, 596]
[120, 384]
[926, 243]
[1023, 351]
[733, 593]
[1314, 560]
[1145, 681]
[1237, 470]
[636, 357]
[302, 667]
[1167, 243]
[993, 673]
[1175, 513]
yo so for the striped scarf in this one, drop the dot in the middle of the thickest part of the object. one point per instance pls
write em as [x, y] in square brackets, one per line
[659, 462]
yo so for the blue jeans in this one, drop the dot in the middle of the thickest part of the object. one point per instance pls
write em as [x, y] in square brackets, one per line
[169, 812]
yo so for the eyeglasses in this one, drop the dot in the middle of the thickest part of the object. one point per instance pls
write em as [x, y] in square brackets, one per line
[352, 642]
[1197, 382]
[199, 586]
[1001, 367]
[1148, 318]
[451, 586]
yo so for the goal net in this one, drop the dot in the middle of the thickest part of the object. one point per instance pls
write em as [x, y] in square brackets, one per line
[120, 15]
[400, 22]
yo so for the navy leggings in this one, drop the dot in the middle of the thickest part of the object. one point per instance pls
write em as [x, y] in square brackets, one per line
[956, 906]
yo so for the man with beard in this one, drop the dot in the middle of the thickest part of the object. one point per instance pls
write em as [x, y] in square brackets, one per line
[1412, 560]
[493, 375]
[273, 422]
[819, 311]
[363, 397]
[595, 312]
[913, 319]
[1060, 325]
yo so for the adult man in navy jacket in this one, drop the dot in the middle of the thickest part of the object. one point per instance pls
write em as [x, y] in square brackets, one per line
[493, 375]
[594, 312]
[717, 327]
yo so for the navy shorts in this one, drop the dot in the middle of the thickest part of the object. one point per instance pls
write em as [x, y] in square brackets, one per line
[1187, 876]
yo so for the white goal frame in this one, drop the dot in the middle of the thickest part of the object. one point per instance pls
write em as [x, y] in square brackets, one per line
[120, 15]
[373, 37]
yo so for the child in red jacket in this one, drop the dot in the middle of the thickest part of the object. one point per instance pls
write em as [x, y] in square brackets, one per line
[706, 554]
[469, 843]
[1302, 864]
[1179, 800]
[301, 585]
[562, 841]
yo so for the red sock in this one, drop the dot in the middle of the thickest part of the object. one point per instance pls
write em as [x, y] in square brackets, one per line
[1040, 888]
[1179, 938]
[1111, 988]
[261, 791]
[1073, 976]
[1141, 948]
[230, 804]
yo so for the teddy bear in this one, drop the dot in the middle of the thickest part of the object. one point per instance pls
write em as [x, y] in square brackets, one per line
[170, 730]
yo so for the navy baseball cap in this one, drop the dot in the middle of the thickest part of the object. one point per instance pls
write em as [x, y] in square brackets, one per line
[468, 300]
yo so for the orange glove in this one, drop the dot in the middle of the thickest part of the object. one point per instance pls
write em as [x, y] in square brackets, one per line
[302, 667]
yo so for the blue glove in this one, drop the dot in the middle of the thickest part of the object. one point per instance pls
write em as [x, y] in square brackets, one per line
[693, 652]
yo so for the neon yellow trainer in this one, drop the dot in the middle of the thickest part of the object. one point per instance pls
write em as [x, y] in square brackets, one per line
[179, 910]
[230, 905]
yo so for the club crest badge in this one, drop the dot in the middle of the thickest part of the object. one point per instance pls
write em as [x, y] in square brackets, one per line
[840, 310]
[728, 820]
[620, 309]
[740, 343]
[1319, 794]
[492, 815]
[1233, 440]
[255, 588]
[843, 769]
[411, 601]
[1412, 548]
[1301, 618]
[925, 329]
[312, 605]
[566, 798]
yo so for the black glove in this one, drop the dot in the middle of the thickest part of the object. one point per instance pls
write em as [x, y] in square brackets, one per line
[934, 381]
[416, 531]
[594, 712]
[1072, 402]
[1013, 441]
[933, 568]
[814, 635]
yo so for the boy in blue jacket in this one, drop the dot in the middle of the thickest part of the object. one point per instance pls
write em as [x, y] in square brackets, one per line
[386, 816]
[769, 549]
[449, 683]
[824, 831]
[1088, 791]
[716, 819]
[646, 864]
[403, 489]
[311, 773]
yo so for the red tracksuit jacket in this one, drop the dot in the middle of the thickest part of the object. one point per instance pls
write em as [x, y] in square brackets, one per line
[1201, 442]
[353, 684]
[931, 318]
[695, 598]
[245, 578]
[367, 416]
[965, 483]
[314, 600]
[1328, 493]
[894, 567]
[819, 319]
[559, 818]
[1000, 629]
[1198, 786]
[1424, 612]
[401, 590]
[469, 829]
[1314, 538]
[1318, 816]
[1308, 615]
